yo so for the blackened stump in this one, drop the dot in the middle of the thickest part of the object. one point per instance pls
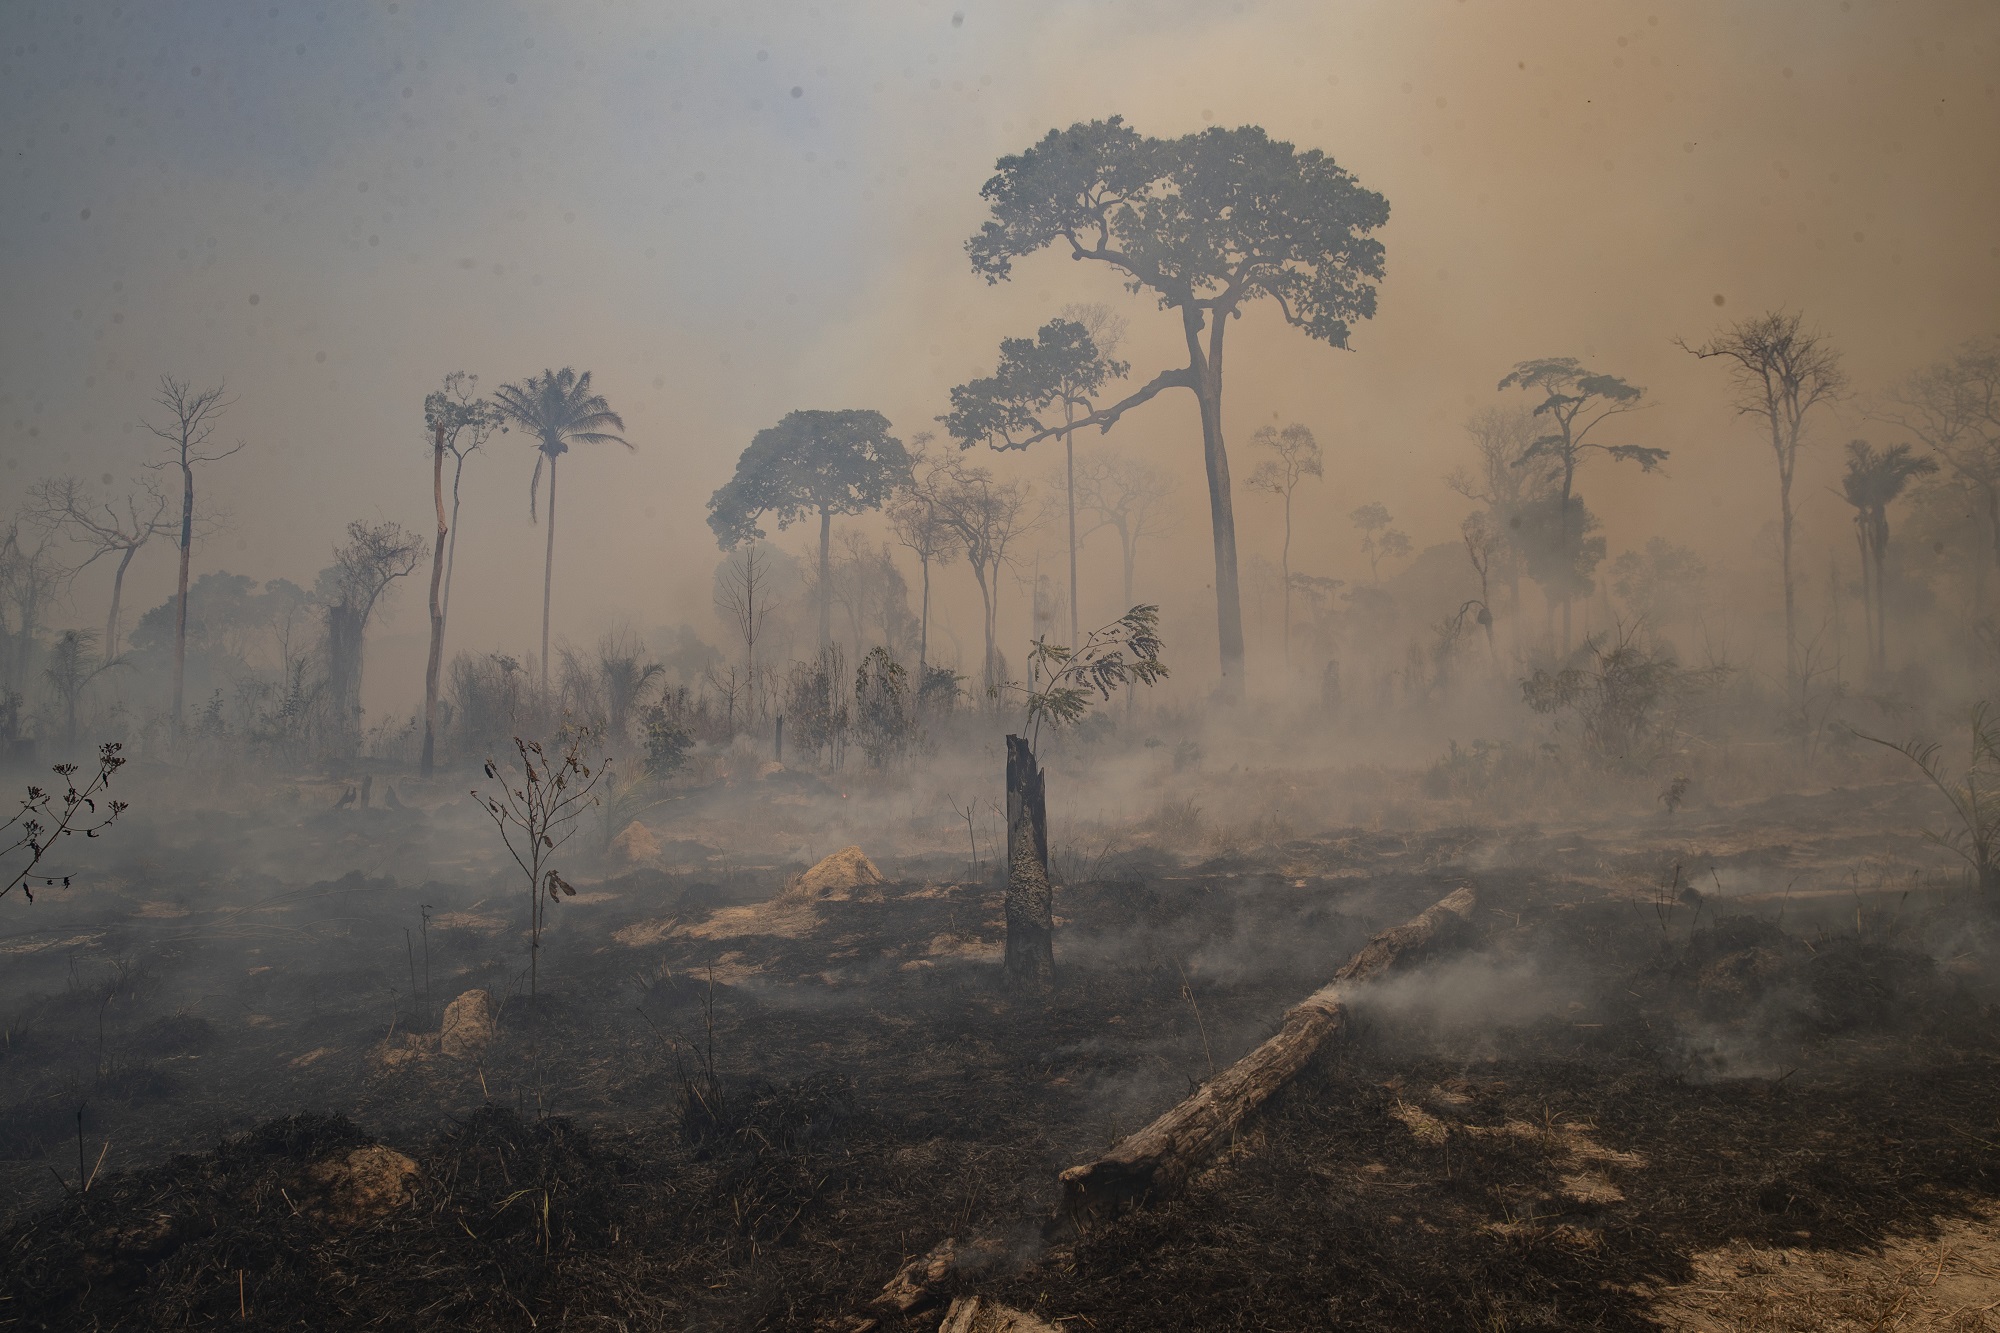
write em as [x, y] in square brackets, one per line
[1030, 896]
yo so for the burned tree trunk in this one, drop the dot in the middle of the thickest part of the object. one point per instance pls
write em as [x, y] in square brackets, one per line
[343, 673]
[1160, 1157]
[1030, 896]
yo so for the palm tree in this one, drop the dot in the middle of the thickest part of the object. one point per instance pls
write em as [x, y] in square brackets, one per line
[558, 409]
[1873, 481]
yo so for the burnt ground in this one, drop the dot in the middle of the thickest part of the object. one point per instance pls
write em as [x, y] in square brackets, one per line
[756, 1124]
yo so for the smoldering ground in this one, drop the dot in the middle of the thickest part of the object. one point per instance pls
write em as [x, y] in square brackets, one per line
[799, 1109]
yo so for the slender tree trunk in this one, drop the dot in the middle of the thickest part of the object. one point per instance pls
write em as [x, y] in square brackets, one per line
[181, 589]
[924, 624]
[987, 623]
[1572, 551]
[451, 542]
[117, 595]
[1867, 591]
[1030, 894]
[825, 577]
[1221, 508]
[1786, 459]
[548, 576]
[1880, 541]
[434, 664]
[344, 629]
[1069, 494]
[1285, 571]
[750, 580]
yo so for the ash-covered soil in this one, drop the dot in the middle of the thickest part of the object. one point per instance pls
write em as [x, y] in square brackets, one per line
[1757, 1033]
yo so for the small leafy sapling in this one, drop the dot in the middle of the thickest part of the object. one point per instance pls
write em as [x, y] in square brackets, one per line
[47, 817]
[1974, 795]
[536, 811]
[1063, 683]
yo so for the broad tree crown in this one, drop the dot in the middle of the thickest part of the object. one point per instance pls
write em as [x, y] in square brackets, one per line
[1210, 220]
[811, 462]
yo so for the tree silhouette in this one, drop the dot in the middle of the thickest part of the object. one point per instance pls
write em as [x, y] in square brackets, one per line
[31, 578]
[811, 462]
[1126, 495]
[1782, 371]
[1061, 369]
[1379, 541]
[987, 516]
[106, 528]
[920, 524]
[73, 664]
[1505, 483]
[1208, 223]
[1953, 408]
[459, 423]
[188, 433]
[1295, 455]
[1575, 401]
[1874, 480]
[374, 557]
[557, 409]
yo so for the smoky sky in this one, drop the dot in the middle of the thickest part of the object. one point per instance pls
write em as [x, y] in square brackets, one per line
[727, 212]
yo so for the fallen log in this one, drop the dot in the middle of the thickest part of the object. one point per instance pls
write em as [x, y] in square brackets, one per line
[1158, 1159]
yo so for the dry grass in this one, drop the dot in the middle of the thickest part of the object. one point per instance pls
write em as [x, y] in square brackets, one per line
[1950, 1280]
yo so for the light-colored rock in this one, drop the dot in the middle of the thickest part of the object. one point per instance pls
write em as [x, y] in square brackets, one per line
[366, 1184]
[468, 1025]
[636, 842]
[837, 876]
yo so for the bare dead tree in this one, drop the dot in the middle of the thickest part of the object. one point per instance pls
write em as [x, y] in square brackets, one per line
[1781, 372]
[918, 520]
[105, 528]
[1295, 455]
[1483, 542]
[1127, 495]
[743, 596]
[459, 423]
[987, 516]
[536, 811]
[189, 434]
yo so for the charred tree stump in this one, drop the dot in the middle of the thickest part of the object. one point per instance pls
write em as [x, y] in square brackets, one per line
[1159, 1158]
[1031, 923]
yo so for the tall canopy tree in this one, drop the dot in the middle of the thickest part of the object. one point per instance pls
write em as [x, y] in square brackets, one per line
[811, 462]
[1575, 402]
[557, 409]
[459, 423]
[1874, 480]
[1294, 455]
[1061, 369]
[1781, 371]
[1208, 223]
[188, 433]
